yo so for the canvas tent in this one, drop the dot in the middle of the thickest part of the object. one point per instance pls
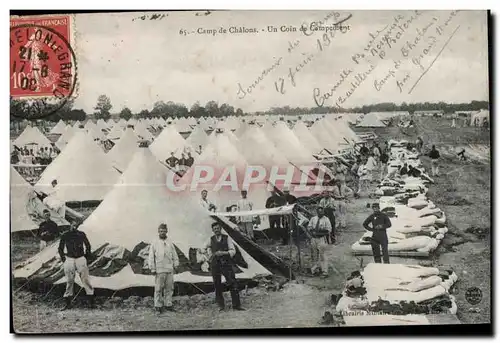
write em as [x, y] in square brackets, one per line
[169, 141]
[371, 120]
[197, 137]
[96, 133]
[306, 138]
[26, 210]
[220, 154]
[66, 137]
[286, 142]
[142, 132]
[123, 151]
[126, 222]
[82, 170]
[89, 124]
[115, 132]
[58, 128]
[32, 138]
[102, 125]
[325, 136]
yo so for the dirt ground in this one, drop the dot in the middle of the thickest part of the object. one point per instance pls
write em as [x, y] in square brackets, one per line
[462, 191]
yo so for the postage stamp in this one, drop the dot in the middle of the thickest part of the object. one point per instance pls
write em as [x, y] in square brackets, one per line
[42, 62]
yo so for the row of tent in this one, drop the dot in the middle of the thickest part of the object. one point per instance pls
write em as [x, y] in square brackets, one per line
[136, 201]
[129, 182]
[381, 119]
[83, 162]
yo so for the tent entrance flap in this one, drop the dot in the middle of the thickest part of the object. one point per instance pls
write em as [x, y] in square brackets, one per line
[270, 261]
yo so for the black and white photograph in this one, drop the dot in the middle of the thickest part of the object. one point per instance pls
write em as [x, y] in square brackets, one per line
[177, 171]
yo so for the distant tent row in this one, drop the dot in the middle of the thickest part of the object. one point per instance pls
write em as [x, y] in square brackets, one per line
[371, 120]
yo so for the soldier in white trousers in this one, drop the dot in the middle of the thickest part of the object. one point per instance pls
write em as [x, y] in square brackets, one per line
[319, 227]
[162, 261]
[75, 250]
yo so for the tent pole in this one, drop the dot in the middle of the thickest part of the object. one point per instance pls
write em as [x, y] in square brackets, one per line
[298, 243]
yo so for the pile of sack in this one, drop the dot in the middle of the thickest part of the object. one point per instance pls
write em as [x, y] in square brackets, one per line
[398, 289]
[418, 225]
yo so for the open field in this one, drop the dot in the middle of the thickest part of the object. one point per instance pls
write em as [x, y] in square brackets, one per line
[462, 191]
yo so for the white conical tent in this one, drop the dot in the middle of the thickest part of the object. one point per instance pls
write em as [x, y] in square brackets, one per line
[25, 207]
[286, 142]
[169, 141]
[116, 132]
[159, 121]
[66, 136]
[231, 124]
[96, 133]
[123, 151]
[58, 128]
[197, 137]
[267, 126]
[370, 120]
[204, 125]
[232, 138]
[82, 170]
[321, 133]
[137, 204]
[342, 129]
[32, 137]
[130, 215]
[122, 123]
[259, 150]
[306, 138]
[182, 125]
[336, 137]
[101, 124]
[142, 132]
[89, 124]
[349, 133]
[243, 127]
[219, 154]
[20, 194]
[77, 124]
[220, 125]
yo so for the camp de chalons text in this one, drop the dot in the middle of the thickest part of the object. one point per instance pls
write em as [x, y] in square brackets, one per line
[271, 29]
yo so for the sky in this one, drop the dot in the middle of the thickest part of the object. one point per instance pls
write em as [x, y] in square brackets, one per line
[138, 62]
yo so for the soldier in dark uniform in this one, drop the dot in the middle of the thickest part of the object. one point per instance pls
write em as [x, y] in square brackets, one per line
[378, 222]
[221, 251]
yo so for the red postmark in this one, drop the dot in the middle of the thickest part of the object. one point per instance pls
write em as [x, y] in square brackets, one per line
[42, 62]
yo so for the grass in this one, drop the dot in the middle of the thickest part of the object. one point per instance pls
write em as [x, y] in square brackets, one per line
[463, 192]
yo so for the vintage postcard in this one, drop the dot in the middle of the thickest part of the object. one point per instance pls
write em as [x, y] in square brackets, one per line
[216, 170]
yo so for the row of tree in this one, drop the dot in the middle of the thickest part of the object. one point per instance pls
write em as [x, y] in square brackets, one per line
[26, 109]
[21, 108]
[383, 107]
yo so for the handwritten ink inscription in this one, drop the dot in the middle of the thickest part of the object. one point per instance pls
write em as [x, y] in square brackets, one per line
[415, 37]
[327, 33]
